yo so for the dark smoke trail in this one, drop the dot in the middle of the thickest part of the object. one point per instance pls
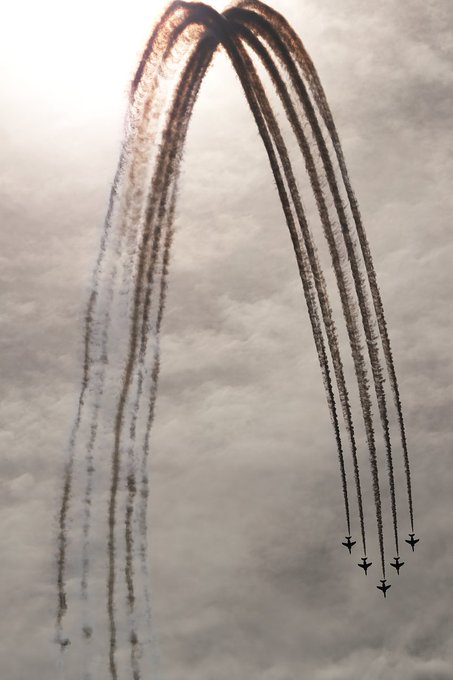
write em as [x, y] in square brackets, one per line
[349, 317]
[129, 218]
[126, 152]
[144, 485]
[312, 265]
[359, 283]
[261, 102]
[372, 279]
[133, 202]
[153, 236]
[319, 280]
[269, 130]
[329, 323]
[273, 38]
[369, 423]
[179, 118]
[305, 63]
[137, 239]
[193, 78]
[355, 344]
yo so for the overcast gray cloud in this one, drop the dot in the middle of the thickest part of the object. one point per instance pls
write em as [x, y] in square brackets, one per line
[249, 578]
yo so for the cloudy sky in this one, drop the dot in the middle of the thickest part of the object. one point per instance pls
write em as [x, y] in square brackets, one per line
[249, 576]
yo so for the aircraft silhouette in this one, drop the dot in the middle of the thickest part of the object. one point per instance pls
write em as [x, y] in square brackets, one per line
[412, 541]
[397, 564]
[383, 587]
[365, 564]
[349, 543]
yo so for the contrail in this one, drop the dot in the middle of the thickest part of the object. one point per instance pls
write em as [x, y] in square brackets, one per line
[334, 418]
[184, 103]
[126, 153]
[151, 235]
[340, 445]
[360, 367]
[88, 329]
[308, 268]
[131, 277]
[315, 180]
[277, 22]
[371, 273]
[130, 217]
[144, 484]
[349, 313]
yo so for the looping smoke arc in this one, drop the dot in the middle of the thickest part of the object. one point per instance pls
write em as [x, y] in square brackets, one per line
[129, 290]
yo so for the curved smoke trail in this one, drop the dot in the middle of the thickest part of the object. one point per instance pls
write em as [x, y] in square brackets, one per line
[316, 183]
[278, 25]
[340, 273]
[131, 278]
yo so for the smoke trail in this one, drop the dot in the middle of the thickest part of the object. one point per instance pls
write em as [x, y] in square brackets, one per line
[199, 69]
[144, 485]
[277, 21]
[360, 368]
[372, 279]
[126, 152]
[168, 179]
[62, 541]
[250, 91]
[329, 323]
[152, 235]
[316, 334]
[371, 273]
[354, 343]
[359, 283]
[312, 266]
[137, 237]
[273, 38]
[128, 220]
[269, 130]
[184, 103]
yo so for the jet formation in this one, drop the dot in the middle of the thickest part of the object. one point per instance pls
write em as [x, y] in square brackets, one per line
[396, 564]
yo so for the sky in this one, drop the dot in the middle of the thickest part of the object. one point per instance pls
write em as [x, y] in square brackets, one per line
[249, 577]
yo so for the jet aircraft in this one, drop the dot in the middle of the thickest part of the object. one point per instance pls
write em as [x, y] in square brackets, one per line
[397, 564]
[412, 541]
[383, 587]
[348, 544]
[365, 564]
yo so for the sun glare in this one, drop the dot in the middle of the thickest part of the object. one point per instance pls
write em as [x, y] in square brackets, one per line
[80, 50]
